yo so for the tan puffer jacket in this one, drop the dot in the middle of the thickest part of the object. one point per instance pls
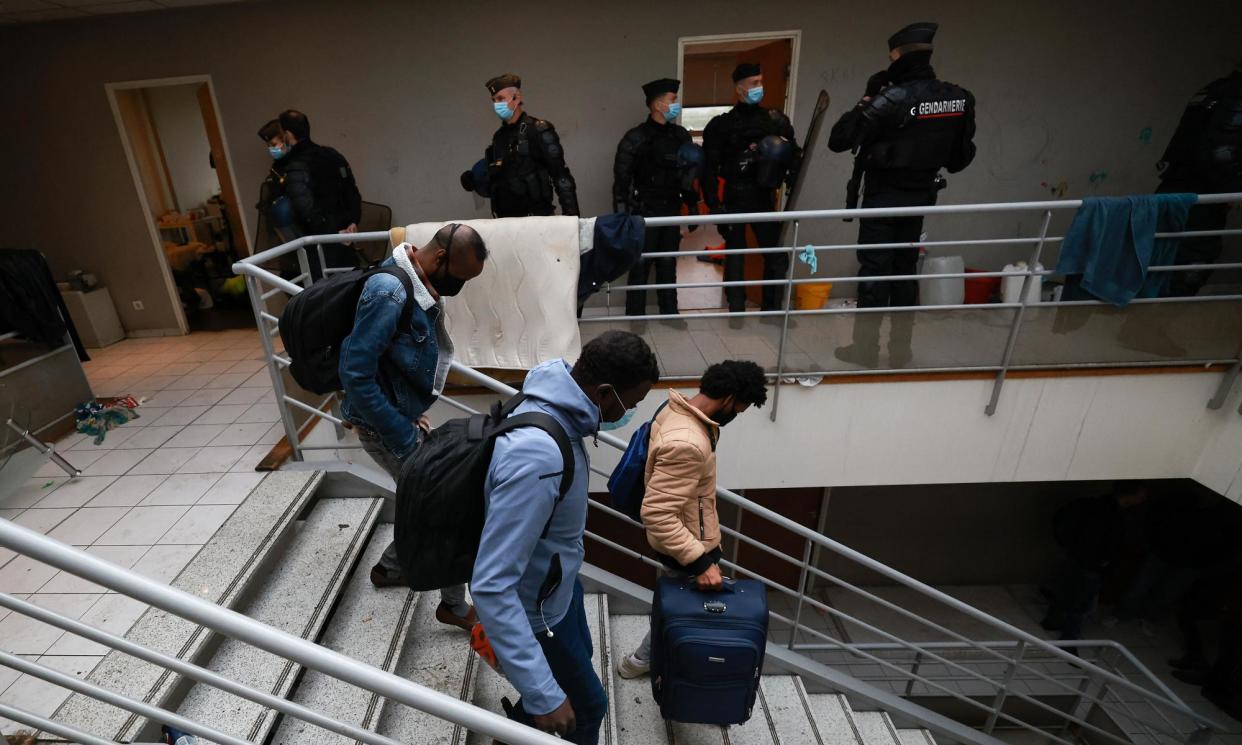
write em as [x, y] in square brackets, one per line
[679, 506]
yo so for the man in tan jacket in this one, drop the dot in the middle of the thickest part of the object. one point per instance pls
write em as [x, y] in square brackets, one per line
[679, 505]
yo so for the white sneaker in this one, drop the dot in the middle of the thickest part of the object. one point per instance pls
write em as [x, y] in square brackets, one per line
[631, 667]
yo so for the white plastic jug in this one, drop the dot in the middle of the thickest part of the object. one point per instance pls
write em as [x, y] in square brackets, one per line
[950, 291]
[1011, 287]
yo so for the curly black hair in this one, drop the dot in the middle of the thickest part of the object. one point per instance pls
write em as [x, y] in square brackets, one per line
[742, 379]
[618, 358]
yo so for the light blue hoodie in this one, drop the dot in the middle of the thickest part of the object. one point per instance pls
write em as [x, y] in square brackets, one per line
[513, 560]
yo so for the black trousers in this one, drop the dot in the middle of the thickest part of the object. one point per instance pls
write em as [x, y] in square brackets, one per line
[890, 261]
[664, 239]
[768, 235]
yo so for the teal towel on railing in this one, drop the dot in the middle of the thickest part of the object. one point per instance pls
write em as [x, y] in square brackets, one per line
[1112, 242]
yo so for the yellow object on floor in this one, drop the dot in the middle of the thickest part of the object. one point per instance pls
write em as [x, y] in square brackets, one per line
[812, 296]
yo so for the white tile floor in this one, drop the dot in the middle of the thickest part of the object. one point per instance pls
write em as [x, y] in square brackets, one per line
[151, 494]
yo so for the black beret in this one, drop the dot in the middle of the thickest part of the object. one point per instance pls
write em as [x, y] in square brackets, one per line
[500, 82]
[660, 87]
[745, 70]
[916, 33]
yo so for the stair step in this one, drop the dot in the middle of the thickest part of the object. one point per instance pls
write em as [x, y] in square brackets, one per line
[834, 719]
[220, 572]
[599, 622]
[876, 728]
[297, 597]
[638, 717]
[368, 625]
[439, 657]
[915, 737]
[790, 709]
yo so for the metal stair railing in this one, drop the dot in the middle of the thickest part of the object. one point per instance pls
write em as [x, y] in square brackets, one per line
[75, 561]
[263, 285]
[1098, 687]
[1162, 700]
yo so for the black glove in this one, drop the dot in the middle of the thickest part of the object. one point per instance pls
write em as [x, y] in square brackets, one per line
[876, 83]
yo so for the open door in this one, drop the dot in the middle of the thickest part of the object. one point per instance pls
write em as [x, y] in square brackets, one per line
[179, 161]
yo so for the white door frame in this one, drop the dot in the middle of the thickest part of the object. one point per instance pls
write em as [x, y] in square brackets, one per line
[794, 36]
[156, 243]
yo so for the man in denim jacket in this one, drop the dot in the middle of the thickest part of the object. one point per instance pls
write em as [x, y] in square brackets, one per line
[392, 375]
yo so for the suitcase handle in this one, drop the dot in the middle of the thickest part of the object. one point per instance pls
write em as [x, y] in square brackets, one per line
[727, 585]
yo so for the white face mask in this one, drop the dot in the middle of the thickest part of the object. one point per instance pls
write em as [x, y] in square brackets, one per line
[624, 420]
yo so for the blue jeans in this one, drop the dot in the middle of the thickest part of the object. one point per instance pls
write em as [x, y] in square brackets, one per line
[568, 653]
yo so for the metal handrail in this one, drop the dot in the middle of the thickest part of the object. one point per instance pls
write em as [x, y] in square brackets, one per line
[192, 671]
[867, 562]
[255, 275]
[283, 644]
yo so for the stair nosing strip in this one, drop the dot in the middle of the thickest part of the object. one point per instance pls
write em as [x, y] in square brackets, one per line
[467, 689]
[767, 713]
[849, 717]
[268, 540]
[800, 689]
[351, 554]
[376, 706]
[605, 658]
[892, 729]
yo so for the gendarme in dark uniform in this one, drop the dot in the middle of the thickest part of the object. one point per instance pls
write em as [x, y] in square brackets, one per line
[653, 178]
[526, 162]
[906, 128]
[731, 144]
[1204, 156]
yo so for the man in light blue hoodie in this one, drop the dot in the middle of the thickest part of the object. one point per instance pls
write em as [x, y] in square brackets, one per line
[525, 584]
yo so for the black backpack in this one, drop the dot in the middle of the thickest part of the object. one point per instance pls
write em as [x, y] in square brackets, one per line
[318, 319]
[440, 506]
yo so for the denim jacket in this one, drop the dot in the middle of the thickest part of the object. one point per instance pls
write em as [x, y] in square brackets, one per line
[388, 373]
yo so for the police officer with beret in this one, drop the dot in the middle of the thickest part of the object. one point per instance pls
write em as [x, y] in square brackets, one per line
[525, 162]
[653, 177]
[754, 150]
[906, 128]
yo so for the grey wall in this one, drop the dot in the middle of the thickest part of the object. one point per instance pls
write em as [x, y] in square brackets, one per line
[183, 138]
[1065, 90]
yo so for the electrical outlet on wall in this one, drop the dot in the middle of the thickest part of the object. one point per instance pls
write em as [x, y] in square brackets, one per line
[138, 305]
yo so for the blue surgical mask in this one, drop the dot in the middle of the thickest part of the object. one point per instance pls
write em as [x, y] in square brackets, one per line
[503, 110]
[754, 95]
[276, 152]
[624, 420]
[674, 111]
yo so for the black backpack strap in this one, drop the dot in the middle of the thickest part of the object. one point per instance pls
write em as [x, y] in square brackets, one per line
[554, 429]
[407, 310]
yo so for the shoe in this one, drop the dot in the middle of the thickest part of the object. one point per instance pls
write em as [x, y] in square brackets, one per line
[676, 324]
[900, 358]
[737, 323]
[853, 354]
[383, 577]
[446, 616]
[631, 667]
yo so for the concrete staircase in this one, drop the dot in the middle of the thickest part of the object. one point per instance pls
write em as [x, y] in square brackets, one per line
[302, 564]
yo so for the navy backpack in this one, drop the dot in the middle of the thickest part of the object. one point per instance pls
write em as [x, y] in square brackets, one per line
[628, 481]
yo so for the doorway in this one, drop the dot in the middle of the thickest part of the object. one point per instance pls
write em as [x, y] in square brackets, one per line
[176, 149]
[705, 67]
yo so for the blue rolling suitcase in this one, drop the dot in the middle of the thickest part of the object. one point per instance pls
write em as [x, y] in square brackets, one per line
[707, 650]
